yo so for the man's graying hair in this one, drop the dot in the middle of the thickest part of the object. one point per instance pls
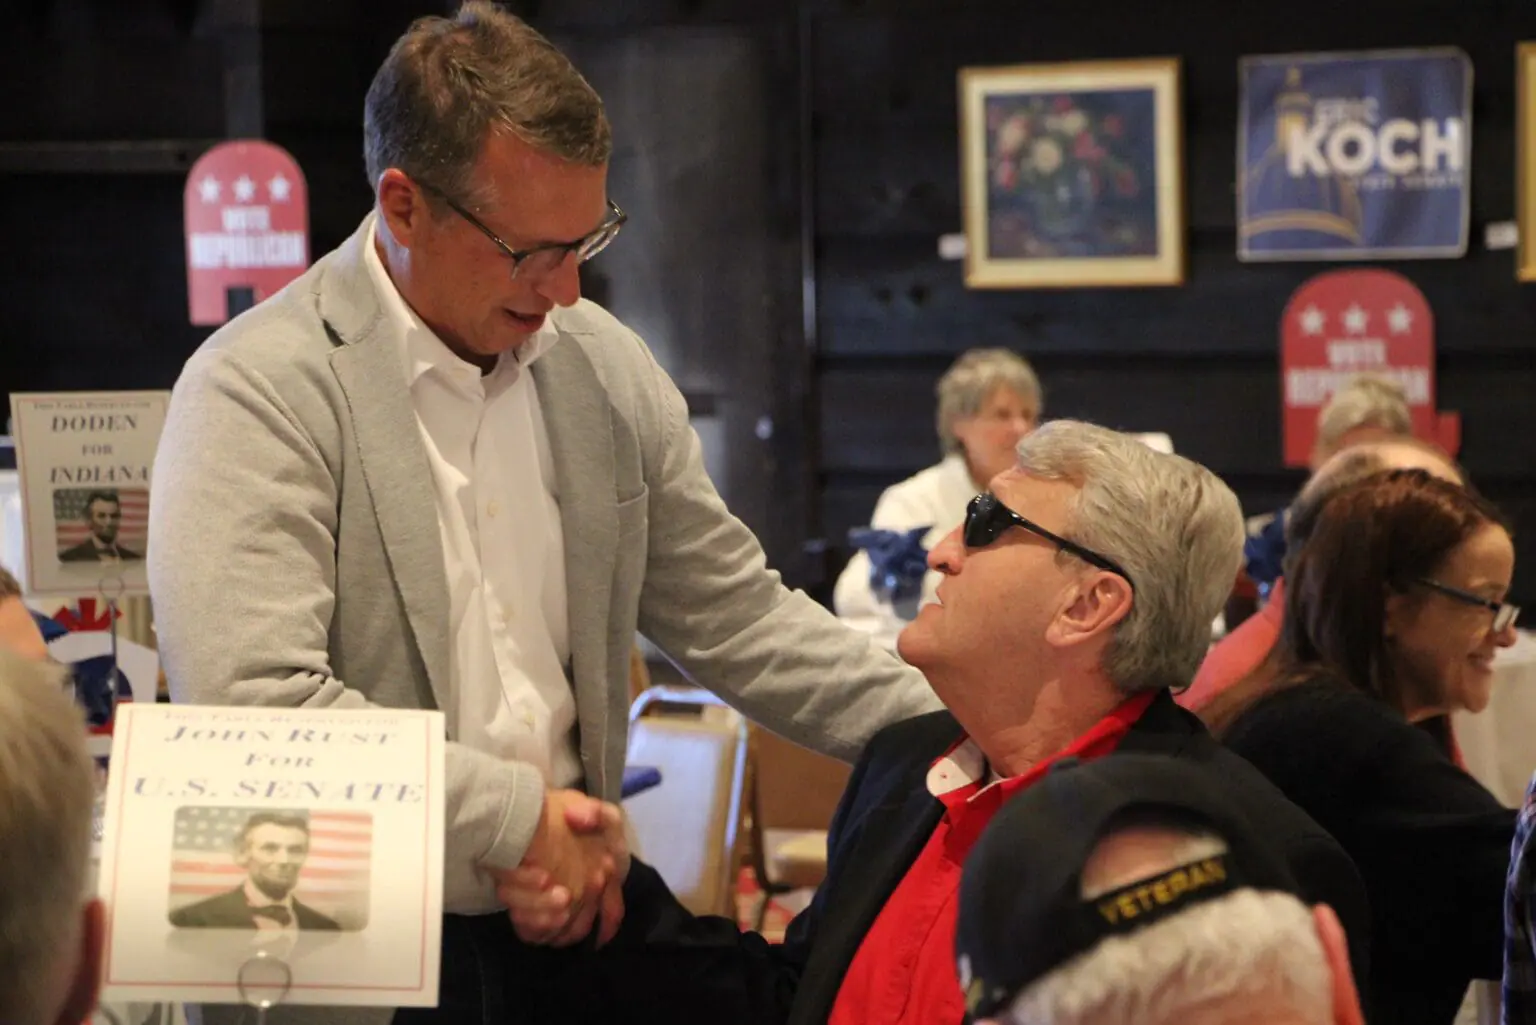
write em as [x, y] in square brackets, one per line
[448, 82]
[1174, 526]
[1238, 958]
[47, 790]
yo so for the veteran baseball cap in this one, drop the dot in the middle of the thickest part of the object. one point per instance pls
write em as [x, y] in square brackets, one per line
[1022, 910]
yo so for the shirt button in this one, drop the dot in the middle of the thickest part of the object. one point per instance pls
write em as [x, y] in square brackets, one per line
[527, 718]
[492, 509]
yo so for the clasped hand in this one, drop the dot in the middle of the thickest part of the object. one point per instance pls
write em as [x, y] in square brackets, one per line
[572, 875]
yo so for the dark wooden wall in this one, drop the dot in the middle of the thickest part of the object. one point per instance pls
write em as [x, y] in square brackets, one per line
[791, 168]
[1199, 361]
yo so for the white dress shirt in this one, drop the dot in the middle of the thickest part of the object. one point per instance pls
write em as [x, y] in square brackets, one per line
[498, 513]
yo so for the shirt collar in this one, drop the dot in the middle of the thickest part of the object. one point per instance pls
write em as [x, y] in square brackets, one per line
[421, 350]
[964, 765]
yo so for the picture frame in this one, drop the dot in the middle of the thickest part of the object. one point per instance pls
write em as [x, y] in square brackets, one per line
[1072, 174]
[1525, 160]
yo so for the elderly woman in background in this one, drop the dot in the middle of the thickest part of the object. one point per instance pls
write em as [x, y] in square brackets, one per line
[1394, 609]
[989, 399]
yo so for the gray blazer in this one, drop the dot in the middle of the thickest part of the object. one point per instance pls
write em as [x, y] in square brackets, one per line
[294, 555]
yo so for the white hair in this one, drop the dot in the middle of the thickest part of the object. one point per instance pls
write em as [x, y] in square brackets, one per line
[974, 376]
[47, 791]
[1235, 959]
[1368, 400]
[1174, 527]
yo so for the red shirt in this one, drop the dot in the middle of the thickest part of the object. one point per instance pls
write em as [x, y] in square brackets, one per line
[1238, 653]
[904, 971]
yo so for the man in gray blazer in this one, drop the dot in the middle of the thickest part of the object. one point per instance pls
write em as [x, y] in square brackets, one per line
[428, 474]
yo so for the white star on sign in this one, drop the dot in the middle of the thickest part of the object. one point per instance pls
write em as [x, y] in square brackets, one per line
[1312, 320]
[278, 188]
[1399, 319]
[1355, 318]
[244, 188]
[208, 189]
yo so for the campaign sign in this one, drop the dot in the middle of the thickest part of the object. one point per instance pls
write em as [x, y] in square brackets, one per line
[1352, 156]
[247, 224]
[1345, 323]
[282, 854]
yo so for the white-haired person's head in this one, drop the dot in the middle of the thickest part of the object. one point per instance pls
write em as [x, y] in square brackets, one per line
[987, 400]
[1121, 558]
[1131, 891]
[1368, 408]
[50, 929]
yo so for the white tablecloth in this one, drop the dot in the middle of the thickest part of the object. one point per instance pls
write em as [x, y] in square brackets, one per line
[1499, 743]
[1499, 746]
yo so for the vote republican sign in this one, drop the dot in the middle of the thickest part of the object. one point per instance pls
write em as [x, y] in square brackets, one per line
[247, 226]
[1345, 323]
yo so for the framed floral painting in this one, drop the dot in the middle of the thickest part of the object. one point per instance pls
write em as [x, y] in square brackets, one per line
[1072, 174]
[1525, 160]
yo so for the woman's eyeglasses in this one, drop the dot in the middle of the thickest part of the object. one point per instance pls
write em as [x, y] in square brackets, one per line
[1504, 614]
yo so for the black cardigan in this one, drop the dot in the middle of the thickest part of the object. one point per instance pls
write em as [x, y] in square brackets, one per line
[1431, 843]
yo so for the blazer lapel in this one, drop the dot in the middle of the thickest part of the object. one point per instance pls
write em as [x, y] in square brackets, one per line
[893, 835]
[390, 451]
[576, 414]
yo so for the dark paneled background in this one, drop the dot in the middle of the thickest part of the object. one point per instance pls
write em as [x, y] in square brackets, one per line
[789, 169]
[1198, 361]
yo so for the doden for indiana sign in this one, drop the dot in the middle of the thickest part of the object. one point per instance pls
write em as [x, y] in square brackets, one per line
[247, 225]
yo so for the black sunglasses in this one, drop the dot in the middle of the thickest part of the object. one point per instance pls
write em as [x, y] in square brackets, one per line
[543, 259]
[986, 518]
[1504, 614]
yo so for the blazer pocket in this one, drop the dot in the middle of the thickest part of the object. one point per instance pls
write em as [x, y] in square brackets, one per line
[634, 513]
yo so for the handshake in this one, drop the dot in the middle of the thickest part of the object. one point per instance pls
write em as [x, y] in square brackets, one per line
[572, 877]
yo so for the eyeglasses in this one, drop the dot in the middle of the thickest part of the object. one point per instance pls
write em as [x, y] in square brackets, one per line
[1504, 614]
[545, 259]
[986, 518]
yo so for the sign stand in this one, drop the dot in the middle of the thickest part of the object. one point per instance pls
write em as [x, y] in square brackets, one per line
[115, 678]
[263, 981]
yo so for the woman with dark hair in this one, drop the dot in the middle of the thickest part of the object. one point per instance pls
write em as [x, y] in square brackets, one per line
[1394, 608]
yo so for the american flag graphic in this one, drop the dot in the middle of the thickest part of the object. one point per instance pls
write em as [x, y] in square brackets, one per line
[70, 527]
[334, 879]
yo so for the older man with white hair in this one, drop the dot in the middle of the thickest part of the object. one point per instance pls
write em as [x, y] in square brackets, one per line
[50, 931]
[1078, 590]
[1132, 891]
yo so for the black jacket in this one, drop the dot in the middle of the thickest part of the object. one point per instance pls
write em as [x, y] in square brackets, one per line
[231, 911]
[670, 965]
[1431, 843]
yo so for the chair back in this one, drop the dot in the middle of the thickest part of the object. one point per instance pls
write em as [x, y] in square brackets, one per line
[687, 826]
[796, 788]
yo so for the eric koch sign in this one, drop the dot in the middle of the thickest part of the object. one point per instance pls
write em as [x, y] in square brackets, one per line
[1351, 156]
